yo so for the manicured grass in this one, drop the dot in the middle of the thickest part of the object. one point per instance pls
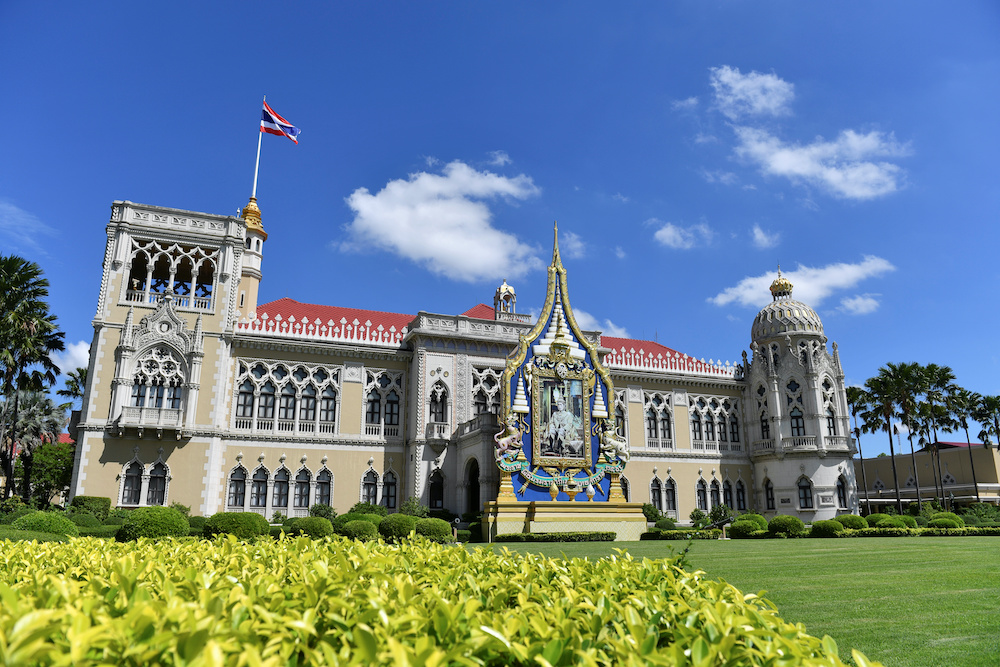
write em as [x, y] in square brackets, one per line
[905, 601]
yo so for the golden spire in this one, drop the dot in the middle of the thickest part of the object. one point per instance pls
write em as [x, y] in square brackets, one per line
[251, 214]
[781, 286]
[556, 260]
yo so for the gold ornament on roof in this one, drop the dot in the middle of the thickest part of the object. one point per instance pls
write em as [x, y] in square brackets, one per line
[251, 214]
[781, 286]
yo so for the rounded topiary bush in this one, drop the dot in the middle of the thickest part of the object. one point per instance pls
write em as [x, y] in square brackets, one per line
[368, 508]
[243, 525]
[921, 521]
[742, 529]
[153, 522]
[786, 526]
[46, 522]
[943, 523]
[891, 522]
[852, 521]
[313, 526]
[949, 515]
[396, 527]
[17, 513]
[970, 519]
[344, 519]
[85, 519]
[359, 529]
[824, 528]
[96, 505]
[323, 510]
[666, 523]
[875, 519]
[197, 522]
[908, 520]
[758, 520]
[436, 530]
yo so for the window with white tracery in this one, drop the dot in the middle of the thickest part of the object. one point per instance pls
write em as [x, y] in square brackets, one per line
[158, 382]
[714, 423]
[486, 384]
[658, 415]
[157, 267]
[383, 397]
[275, 397]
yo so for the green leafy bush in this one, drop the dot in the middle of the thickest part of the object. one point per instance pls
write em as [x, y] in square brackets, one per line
[11, 504]
[413, 507]
[322, 510]
[84, 519]
[342, 520]
[183, 509]
[436, 530]
[244, 525]
[852, 521]
[445, 515]
[682, 534]
[46, 522]
[881, 531]
[359, 529]
[476, 532]
[101, 530]
[652, 514]
[464, 536]
[875, 519]
[8, 533]
[786, 526]
[96, 505]
[970, 519]
[921, 521]
[756, 518]
[943, 522]
[948, 515]
[742, 529]
[892, 521]
[824, 528]
[16, 514]
[313, 526]
[153, 522]
[721, 513]
[698, 518]
[396, 527]
[908, 521]
[368, 508]
[597, 536]
[197, 523]
[666, 523]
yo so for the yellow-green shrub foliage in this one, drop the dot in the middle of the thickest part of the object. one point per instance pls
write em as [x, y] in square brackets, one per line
[298, 601]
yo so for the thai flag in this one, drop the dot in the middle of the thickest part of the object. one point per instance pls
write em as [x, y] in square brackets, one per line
[272, 123]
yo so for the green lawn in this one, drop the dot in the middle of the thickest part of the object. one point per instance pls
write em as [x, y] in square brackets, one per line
[906, 602]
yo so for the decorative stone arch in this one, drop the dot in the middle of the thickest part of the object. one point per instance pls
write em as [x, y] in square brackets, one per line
[304, 475]
[236, 495]
[435, 488]
[389, 498]
[626, 488]
[260, 487]
[439, 403]
[281, 484]
[136, 494]
[805, 489]
[370, 486]
[324, 476]
[152, 491]
[473, 485]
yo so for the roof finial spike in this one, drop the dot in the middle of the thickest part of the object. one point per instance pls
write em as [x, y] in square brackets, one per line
[556, 260]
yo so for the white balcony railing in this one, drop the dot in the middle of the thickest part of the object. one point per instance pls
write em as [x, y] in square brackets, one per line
[438, 431]
[151, 416]
[798, 442]
[763, 445]
[180, 300]
[837, 442]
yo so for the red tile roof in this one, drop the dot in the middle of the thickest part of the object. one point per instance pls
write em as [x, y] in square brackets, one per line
[646, 346]
[64, 439]
[481, 312]
[288, 308]
[649, 355]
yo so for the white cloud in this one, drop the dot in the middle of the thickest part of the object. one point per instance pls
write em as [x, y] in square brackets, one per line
[588, 322]
[762, 239]
[620, 197]
[441, 222]
[619, 252]
[702, 138]
[685, 105]
[499, 158]
[859, 304]
[755, 94]
[724, 177]
[849, 166]
[682, 238]
[22, 229]
[811, 285]
[572, 245]
[76, 355]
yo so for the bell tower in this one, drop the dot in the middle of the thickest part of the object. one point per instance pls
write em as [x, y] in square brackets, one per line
[253, 254]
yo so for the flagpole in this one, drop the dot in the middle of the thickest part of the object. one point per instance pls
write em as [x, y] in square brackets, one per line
[253, 195]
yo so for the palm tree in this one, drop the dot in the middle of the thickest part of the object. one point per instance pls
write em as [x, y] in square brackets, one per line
[988, 414]
[76, 384]
[37, 420]
[857, 399]
[962, 405]
[939, 383]
[881, 410]
[908, 382]
[29, 337]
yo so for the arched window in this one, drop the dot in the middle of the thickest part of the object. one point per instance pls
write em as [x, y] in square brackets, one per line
[626, 488]
[132, 489]
[670, 495]
[765, 426]
[439, 404]
[805, 493]
[702, 495]
[619, 420]
[727, 494]
[237, 487]
[392, 409]
[709, 428]
[286, 406]
[258, 488]
[472, 498]
[158, 375]
[373, 414]
[265, 405]
[437, 490]
[741, 496]
[798, 422]
[716, 497]
[307, 406]
[841, 493]
[734, 429]
[279, 499]
[389, 490]
[369, 488]
[480, 403]
[768, 494]
[665, 426]
[328, 411]
[651, 432]
[831, 422]
[324, 482]
[722, 428]
[696, 426]
[302, 483]
[156, 495]
[655, 491]
[244, 401]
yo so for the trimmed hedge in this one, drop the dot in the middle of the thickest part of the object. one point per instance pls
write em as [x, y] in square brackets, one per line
[84, 519]
[359, 529]
[8, 533]
[824, 528]
[397, 527]
[596, 536]
[786, 526]
[436, 530]
[742, 529]
[908, 520]
[46, 522]
[244, 525]
[13, 516]
[96, 505]
[852, 521]
[681, 534]
[153, 522]
[666, 523]
[947, 515]
[315, 527]
[368, 508]
[342, 520]
[758, 519]
[102, 531]
[943, 522]
[464, 536]
[323, 510]
[875, 519]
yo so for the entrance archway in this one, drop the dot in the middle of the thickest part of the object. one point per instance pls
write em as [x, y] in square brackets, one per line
[472, 503]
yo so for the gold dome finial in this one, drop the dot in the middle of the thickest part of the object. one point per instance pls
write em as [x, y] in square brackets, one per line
[251, 214]
[781, 286]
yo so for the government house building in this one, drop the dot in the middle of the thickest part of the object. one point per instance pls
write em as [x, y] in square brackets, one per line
[199, 394]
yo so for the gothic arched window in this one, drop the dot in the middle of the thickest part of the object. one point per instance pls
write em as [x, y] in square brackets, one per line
[369, 488]
[156, 495]
[716, 498]
[734, 429]
[132, 488]
[324, 482]
[655, 497]
[702, 495]
[765, 426]
[741, 496]
[373, 414]
[389, 490]
[841, 493]
[805, 493]
[265, 405]
[769, 494]
[696, 426]
[831, 422]
[307, 406]
[286, 406]
[437, 490]
[302, 483]
[798, 422]
[258, 488]
[237, 487]
[670, 495]
[280, 496]
[727, 494]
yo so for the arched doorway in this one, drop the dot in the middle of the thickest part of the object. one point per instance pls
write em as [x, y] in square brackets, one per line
[472, 504]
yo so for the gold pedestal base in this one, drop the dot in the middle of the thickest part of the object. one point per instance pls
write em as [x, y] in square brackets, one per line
[502, 517]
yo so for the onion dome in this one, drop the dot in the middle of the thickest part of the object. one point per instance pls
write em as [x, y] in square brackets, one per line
[784, 315]
[251, 214]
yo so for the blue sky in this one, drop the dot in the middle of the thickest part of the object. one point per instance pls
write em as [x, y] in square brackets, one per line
[686, 149]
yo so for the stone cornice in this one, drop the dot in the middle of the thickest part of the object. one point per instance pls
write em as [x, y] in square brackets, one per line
[247, 342]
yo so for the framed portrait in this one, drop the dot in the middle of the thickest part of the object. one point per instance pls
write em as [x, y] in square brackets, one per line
[562, 422]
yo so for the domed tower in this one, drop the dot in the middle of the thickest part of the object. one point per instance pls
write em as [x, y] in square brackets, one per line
[796, 411]
[253, 254]
[505, 300]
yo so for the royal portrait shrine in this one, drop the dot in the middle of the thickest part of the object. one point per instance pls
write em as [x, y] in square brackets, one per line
[199, 394]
